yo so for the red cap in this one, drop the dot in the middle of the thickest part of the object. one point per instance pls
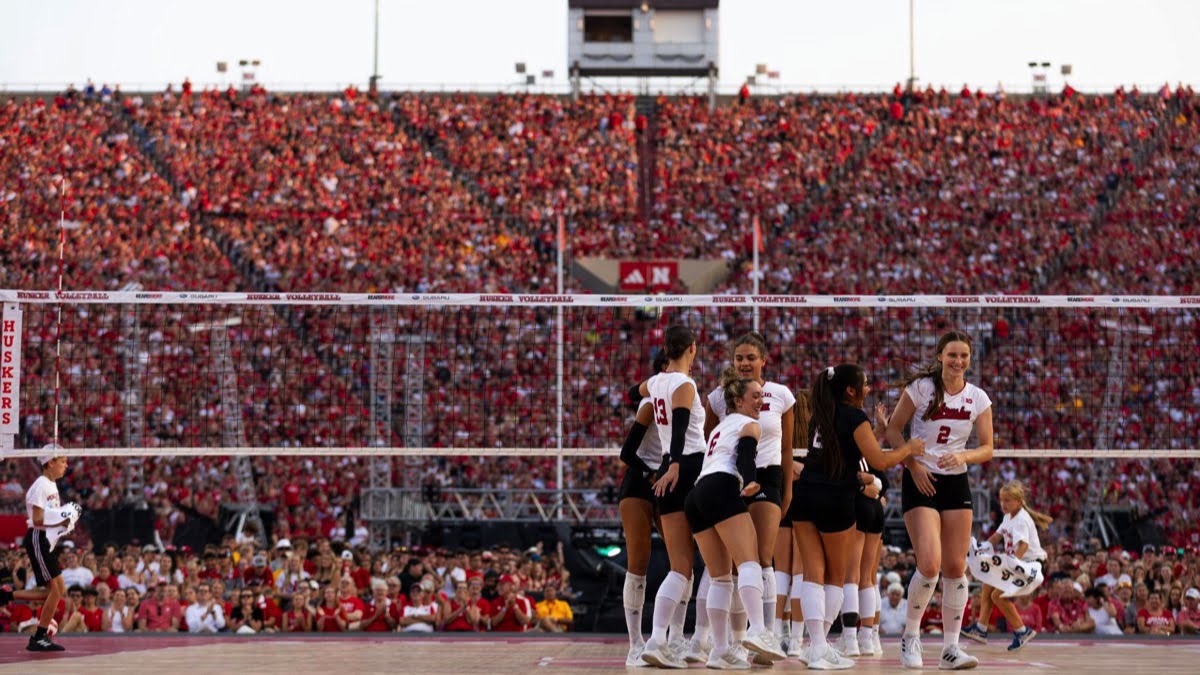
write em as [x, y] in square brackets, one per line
[507, 579]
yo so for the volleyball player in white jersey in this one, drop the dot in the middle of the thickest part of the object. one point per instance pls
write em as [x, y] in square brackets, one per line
[679, 417]
[723, 527]
[944, 409]
[642, 455]
[772, 464]
[823, 511]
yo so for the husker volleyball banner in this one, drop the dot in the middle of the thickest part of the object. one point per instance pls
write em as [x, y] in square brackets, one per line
[1001, 570]
[10, 374]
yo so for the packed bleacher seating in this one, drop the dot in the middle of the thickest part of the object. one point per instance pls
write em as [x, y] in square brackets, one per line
[345, 192]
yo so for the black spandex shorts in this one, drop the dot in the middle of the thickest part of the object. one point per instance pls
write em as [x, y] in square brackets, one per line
[689, 470]
[785, 520]
[43, 561]
[830, 508]
[715, 498]
[953, 492]
[868, 514]
[770, 482]
[635, 486]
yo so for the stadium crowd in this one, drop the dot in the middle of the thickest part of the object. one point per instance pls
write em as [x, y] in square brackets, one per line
[326, 586]
[324, 193]
[331, 586]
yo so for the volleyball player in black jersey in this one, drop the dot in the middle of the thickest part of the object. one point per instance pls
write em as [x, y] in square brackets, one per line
[822, 514]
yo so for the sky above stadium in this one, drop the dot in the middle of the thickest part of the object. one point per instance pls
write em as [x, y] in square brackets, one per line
[853, 44]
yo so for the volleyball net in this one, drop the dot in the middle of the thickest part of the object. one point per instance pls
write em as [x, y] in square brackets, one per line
[198, 373]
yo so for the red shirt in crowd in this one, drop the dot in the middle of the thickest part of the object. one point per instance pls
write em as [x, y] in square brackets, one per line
[460, 622]
[380, 625]
[91, 618]
[508, 622]
[1160, 619]
[109, 581]
[1068, 611]
[326, 618]
[1032, 617]
[261, 574]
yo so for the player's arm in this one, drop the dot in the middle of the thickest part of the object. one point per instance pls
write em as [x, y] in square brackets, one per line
[681, 417]
[39, 517]
[900, 418]
[710, 419]
[864, 437]
[633, 440]
[747, 449]
[984, 451]
[1022, 548]
[787, 421]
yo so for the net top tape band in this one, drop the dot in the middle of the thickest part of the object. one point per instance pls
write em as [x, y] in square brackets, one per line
[586, 300]
[75, 453]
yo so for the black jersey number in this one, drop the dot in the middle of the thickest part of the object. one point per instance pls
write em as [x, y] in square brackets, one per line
[660, 413]
[712, 445]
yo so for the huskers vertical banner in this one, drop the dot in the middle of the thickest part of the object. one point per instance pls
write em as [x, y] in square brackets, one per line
[10, 374]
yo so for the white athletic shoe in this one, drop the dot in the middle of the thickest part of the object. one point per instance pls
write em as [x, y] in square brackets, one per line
[634, 659]
[679, 646]
[877, 648]
[727, 660]
[847, 646]
[698, 651]
[955, 658]
[910, 653]
[764, 643]
[796, 649]
[830, 660]
[661, 656]
[865, 646]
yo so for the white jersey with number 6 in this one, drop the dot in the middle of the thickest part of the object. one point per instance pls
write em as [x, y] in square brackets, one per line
[777, 400]
[662, 387]
[948, 430]
[722, 446]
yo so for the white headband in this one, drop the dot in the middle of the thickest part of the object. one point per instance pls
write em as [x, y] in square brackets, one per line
[829, 373]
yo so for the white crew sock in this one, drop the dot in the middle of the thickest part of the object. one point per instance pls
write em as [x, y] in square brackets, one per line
[920, 590]
[750, 579]
[676, 631]
[794, 596]
[954, 605]
[833, 605]
[635, 599]
[850, 615]
[812, 600]
[666, 601]
[737, 615]
[720, 600]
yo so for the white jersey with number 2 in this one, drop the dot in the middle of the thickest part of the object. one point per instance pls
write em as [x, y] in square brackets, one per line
[948, 430]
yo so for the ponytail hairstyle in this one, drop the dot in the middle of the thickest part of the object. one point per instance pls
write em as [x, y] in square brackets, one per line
[677, 340]
[733, 385]
[934, 372]
[828, 390]
[659, 363]
[801, 412]
[1016, 490]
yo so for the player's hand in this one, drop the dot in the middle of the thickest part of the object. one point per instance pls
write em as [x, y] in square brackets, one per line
[866, 478]
[951, 461]
[668, 481]
[871, 491]
[923, 479]
[916, 447]
[797, 469]
[751, 489]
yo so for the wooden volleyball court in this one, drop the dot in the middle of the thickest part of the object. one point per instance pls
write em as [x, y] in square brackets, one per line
[530, 655]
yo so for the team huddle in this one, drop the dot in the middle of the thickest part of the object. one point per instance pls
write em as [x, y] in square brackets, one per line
[791, 543]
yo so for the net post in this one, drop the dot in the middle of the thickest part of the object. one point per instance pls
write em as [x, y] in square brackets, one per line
[558, 327]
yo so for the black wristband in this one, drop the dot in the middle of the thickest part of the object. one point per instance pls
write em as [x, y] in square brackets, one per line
[635, 394]
[680, 419]
[747, 449]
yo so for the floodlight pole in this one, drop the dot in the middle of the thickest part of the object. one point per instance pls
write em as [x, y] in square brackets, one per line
[912, 49]
[375, 61]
